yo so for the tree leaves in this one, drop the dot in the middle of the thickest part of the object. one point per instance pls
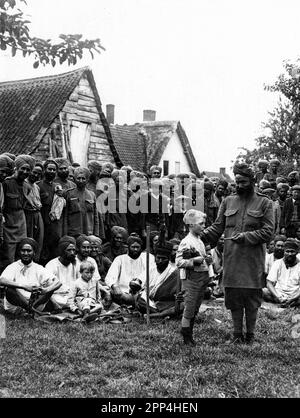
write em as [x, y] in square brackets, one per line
[15, 34]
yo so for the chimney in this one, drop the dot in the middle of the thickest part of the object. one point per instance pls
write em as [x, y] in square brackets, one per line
[149, 115]
[223, 171]
[110, 114]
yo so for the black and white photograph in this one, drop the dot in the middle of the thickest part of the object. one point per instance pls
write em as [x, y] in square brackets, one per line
[149, 203]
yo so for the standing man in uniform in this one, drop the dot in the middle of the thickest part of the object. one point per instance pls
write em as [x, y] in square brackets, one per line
[247, 221]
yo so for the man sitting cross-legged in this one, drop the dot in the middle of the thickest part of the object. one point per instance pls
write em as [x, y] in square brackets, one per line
[65, 269]
[125, 268]
[24, 278]
[164, 282]
[283, 280]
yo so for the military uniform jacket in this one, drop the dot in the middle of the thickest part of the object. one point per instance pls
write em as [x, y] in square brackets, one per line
[253, 216]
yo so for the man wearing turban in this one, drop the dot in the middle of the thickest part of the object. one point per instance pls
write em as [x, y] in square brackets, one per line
[62, 177]
[116, 246]
[282, 192]
[95, 168]
[15, 189]
[247, 221]
[290, 216]
[211, 204]
[283, 280]
[81, 215]
[125, 268]
[262, 171]
[65, 268]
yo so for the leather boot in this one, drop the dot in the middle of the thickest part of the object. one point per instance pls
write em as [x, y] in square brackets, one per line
[192, 327]
[187, 336]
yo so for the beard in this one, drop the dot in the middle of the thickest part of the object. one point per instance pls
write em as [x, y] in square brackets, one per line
[64, 175]
[290, 260]
[50, 176]
[245, 191]
[134, 256]
[278, 253]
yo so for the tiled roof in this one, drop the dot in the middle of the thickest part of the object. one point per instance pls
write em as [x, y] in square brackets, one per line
[29, 106]
[130, 146]
[26, 106]
[129, 141]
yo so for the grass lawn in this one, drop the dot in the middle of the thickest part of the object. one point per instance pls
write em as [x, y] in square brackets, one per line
[129, 360]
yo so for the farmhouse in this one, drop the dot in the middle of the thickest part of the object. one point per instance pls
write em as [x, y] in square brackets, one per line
[162, 143]
[55, 116]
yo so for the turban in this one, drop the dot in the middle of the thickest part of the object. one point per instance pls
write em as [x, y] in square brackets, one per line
[95, 240]
[208, 185]
[268, 190]
[243, 169]
[193, 217]
[279, 238]
[64, 242]
[49, 161]
[283, 186]
[94, 165]
[155, 167]
[39, 163]
[81, 170]
[262, 163]
[296, 187]
[75, 165]
[29, 241]
[275, 162]
[264, 184]
[11, 156]
[119, 230]
[81, 239]
[61, 162]
[293, 174]
[292, 244]
[6, 162]
[132, 239]
[108, 166]
[165, 249]
[24, 159]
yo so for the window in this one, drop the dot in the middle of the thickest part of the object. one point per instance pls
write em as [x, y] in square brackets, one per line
[177, 167]
[79, 142]
[166, 168]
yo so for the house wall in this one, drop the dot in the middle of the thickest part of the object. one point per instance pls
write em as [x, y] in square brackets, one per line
[81, 107]
[174, 153]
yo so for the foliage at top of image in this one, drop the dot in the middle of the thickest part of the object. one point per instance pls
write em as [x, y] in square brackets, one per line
[15, 35]
[281, 138]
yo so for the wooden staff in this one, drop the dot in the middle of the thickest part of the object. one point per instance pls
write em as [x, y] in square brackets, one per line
[147, 272]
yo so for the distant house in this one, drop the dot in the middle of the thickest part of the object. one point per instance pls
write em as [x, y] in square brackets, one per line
[221, 174]
[55, 116]
[162, 143]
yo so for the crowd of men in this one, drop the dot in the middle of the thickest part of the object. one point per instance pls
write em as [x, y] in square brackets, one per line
[74, 239]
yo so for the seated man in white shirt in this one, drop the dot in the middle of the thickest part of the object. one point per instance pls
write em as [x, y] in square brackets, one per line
[66, 270]
[126, 267]
[29, 286]
[164, 286]
[283, 280]
[277, 253]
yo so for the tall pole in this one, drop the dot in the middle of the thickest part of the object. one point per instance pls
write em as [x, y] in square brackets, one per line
[147, 271]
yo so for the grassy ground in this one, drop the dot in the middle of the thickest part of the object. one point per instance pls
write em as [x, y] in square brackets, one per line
[129, 360]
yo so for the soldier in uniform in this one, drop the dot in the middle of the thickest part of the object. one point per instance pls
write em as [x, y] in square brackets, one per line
[246, 218]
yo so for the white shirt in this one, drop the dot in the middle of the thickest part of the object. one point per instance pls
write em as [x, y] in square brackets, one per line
[285, 280]
[67, 275]
[32, 274]
[125, 268]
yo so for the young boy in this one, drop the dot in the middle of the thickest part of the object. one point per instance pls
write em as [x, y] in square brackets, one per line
[194, 263]
[85, 296]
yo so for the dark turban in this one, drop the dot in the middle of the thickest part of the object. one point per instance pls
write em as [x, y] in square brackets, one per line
[6, 162]
[292, 244]
[29, 241]
[119, 230]
[296, 187]
[243, 169]
[165, 250]
[64, 242]
[132, 239]
[24, 159]
[81, 170]
[262, 163]
[275, 162]
[81, 239]
[94, 165]
[62, 162]
[208, 185]
[49, 161]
